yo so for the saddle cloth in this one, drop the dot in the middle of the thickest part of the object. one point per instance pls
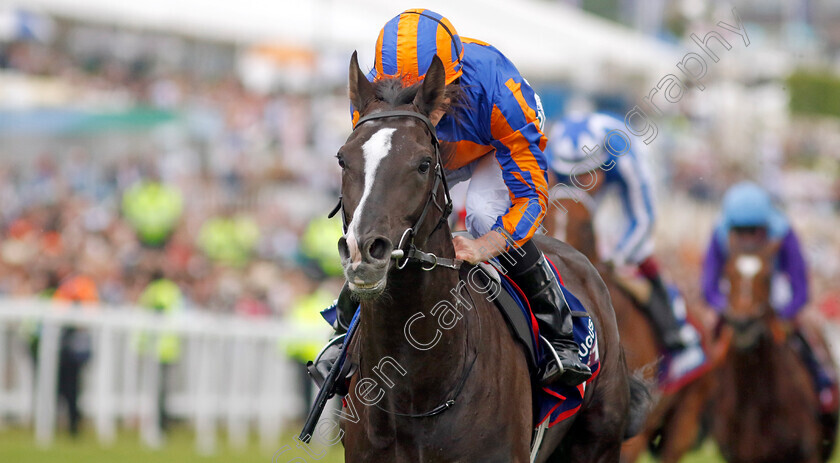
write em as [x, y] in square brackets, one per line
[554, 403]
[677, 371]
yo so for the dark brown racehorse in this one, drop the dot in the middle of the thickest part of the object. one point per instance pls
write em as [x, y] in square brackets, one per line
[440, 378]
[766, 405]
[674, 422]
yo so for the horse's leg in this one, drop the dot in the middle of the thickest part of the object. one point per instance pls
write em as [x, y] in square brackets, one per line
[633, 448]
[597, 433]
[829, 435]
[682, 426]
[585, 447]
[593, 451]
[594, 438]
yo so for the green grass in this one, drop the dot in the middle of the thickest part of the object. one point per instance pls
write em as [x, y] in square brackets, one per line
[705, 454]
[18, 446]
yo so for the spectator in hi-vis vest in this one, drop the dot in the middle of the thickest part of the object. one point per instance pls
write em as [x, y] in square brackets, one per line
[229, 239]
[153, 210]
[305, 317]
[317, 246]
[162, 296]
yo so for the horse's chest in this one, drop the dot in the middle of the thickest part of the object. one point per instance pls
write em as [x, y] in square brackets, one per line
[450, 438]
[769, 410]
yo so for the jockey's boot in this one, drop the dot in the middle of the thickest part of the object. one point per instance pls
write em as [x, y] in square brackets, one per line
[662, 315]
[554, 318]
[823, 376]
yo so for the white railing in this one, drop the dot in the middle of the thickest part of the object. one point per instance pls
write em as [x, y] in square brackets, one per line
[232, 371]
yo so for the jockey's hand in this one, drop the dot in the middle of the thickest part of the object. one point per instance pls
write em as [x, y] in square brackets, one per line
[618, 264]
[481, 249]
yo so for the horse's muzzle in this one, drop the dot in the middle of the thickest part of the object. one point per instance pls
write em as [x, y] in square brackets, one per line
[747, 332]
[366, 265]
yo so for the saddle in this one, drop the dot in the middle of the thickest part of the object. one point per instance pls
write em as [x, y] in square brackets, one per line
[637, 287]
[522, 329]
[554, 403]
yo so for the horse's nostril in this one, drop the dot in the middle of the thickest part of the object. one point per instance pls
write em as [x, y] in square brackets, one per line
[343, 250]
[380, 249]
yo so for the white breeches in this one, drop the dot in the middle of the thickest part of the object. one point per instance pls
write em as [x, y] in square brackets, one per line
[487, 196]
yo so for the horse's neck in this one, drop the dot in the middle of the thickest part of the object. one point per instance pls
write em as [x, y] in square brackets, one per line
[580, 233]
[400, 326]
[754, 403]
[757, 369]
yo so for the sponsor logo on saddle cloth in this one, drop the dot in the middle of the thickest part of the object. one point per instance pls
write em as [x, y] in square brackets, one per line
[589, 345]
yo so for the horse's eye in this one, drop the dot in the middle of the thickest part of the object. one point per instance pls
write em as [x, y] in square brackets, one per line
[424, 166]
[341, 161]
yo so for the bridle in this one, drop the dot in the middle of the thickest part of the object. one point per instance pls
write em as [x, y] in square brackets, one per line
[749, 330]
[406, 251]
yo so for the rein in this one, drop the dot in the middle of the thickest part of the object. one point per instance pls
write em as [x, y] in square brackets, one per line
[406, 251]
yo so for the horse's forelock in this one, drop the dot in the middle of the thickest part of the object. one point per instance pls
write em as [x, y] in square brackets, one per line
[392, 91]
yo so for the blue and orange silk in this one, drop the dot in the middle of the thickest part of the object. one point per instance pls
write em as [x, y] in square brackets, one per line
[498, 112]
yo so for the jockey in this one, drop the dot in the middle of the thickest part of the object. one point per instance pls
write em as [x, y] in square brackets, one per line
[749, 213]
[494, 139]
[596, 143]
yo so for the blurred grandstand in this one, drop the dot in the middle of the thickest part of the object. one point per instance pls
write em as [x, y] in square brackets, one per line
[193, 143]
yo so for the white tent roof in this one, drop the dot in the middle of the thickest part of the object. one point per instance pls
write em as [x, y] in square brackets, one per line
[544, 39]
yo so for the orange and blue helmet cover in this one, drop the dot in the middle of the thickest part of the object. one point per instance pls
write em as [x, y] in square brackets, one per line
[409, 41]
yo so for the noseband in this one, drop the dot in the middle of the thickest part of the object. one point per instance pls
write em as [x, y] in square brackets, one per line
[406, 251]
[748, 331]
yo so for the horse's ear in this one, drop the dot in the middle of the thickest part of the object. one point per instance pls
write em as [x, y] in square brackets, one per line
[431, 93]
[361, 90]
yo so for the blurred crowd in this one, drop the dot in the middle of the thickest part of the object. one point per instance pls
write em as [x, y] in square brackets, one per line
[236, 194]
[224, 209]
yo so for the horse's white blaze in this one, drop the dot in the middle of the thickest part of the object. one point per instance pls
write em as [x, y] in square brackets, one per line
[748, 265]
[375, 149]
